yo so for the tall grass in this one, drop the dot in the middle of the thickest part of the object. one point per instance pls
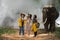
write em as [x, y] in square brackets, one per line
[7, 30]
[57, 32]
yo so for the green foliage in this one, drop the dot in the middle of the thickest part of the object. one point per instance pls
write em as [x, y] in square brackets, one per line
[58, 5]
[57, 32]
[6, 30]
[59, 1]
[37, 1]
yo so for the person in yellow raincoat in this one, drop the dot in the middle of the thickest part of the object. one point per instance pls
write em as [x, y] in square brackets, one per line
[34, 26]
[21, 23]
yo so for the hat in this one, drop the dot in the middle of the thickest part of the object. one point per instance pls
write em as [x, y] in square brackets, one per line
[22, 14]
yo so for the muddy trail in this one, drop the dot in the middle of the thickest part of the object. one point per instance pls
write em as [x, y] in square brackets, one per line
[40, 36]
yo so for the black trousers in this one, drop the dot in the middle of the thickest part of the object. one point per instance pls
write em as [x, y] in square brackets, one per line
[35, 34]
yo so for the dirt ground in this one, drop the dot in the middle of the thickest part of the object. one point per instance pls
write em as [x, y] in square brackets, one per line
[16, 36]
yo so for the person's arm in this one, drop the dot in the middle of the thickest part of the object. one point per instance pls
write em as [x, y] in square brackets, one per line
[32, 27]
[18, 20]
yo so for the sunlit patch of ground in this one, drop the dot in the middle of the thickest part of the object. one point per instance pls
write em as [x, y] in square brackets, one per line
[16, 36]
[40, 36]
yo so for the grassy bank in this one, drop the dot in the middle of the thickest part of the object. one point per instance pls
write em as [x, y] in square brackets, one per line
[57, 32]
[7, 30]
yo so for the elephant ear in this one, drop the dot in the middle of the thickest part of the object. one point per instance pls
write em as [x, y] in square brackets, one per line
[55, 13]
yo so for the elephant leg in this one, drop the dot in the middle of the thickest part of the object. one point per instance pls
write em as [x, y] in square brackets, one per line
[52, 26]
[46, 26]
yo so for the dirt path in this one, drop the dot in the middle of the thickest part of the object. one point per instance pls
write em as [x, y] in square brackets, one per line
[16, 36]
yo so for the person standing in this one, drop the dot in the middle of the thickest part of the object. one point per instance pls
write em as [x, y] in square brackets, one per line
[34, 26]
[29, 24]
[21, 24]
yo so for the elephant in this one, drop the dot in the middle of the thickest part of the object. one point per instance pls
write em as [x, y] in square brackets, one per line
[50, 14]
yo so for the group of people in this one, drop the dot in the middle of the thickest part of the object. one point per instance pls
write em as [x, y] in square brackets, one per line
[50, 14]
[31, 24]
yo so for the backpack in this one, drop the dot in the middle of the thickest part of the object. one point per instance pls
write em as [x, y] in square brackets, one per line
[38, 24]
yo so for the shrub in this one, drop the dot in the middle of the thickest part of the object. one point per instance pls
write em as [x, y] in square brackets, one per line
[57, 32]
